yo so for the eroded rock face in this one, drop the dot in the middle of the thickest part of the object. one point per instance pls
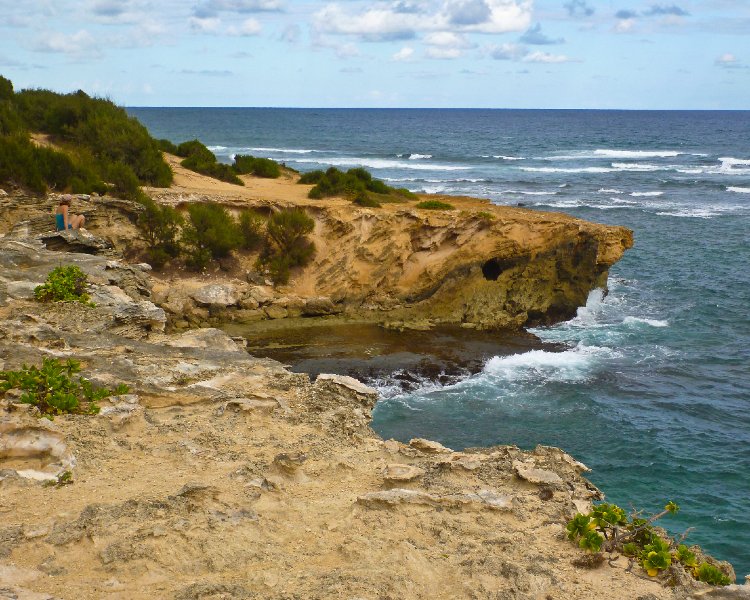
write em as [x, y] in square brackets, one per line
[32, 449]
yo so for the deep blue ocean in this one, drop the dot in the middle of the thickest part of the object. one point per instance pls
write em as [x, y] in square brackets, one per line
[653, 390]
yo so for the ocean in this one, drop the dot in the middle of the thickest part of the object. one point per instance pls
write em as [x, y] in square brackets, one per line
[651, 388]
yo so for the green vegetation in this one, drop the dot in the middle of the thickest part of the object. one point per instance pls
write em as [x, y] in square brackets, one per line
[356, 184]
[64, 284]
[435, 205]
[160, 226]
[200, 159]
[286, 244]
[260, 167]
[102, 147]
[607, 528]
[251, 227]
[53, 389]
[210, 233]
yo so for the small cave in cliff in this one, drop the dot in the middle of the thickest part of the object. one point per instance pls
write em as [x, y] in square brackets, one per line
[492, 269]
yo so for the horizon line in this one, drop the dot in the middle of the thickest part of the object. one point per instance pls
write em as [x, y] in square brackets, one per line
[446, 108]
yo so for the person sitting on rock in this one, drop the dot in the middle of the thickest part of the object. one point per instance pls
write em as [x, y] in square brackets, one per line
[63, 219]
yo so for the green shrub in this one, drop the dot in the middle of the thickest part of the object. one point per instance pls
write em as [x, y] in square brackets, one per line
[195, 148]
[287, 245]
[260, 167]
[64, 284]
[364, 199]
[311, 177]
[251, 228]
[408, 194]
[167, 146]
[160, 226]
[53, 389]
[200, 159]
[435, 205]
[211, 233]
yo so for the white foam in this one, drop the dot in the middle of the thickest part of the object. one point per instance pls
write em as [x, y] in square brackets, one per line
[216, 148]
[285, 150]
[419, 156]
[529, 193]
[381, 163]
[560, 170]
[610, 191]
[642, 321]
[539, 365]
[739, 190]
[734, 162]
[501, 157]
[636, 153]
[641, 167]
[646, 194]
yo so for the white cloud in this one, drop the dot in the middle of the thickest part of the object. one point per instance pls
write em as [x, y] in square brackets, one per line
[243, 6]
[406, 53]
[507, 51]
[546, 57]
[248, 27]
[625, 25]
[205, 24]
[447, 39]
[80, 44]
[726, 59]
[399, 20]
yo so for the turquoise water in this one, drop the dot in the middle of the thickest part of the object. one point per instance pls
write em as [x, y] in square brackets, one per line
[653, 389]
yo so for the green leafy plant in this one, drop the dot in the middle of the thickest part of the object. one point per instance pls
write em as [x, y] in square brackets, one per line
[64, 478]
[211, 233]
[64, 284]
[357, 184]
[607, 528]
[707, 573]
[435, 205]
[286, 244]
[54, 390]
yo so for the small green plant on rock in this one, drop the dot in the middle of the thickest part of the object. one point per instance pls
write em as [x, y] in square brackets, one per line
[607, 528]
[54, 390]
[64, 284]
[211, 233]
[160, 226]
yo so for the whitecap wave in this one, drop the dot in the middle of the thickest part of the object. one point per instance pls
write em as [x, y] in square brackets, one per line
[738, 190]
[540, 365]
[561, 170]
[604, 153]
[610, 191]
[216, 148]
[381, 163]
[501, 157]
[419, 156]
[646, 194]
[287, 150]
[643, 321]
[528, 193]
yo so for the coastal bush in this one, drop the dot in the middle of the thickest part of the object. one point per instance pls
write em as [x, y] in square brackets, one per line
[210, 233]
[96, 141]
[435, 205]
[251, 227]
[312, 177]
[160, 226]
[198, 158]
[607, 528]
[260, 167]
[357, 184]
[64, 284]
[53, 389]
[167, 146]
[286, 244]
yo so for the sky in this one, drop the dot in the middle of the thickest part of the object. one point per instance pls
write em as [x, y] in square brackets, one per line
[620, 54]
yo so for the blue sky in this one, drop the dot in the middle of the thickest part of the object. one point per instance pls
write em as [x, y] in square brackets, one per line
[406, 53]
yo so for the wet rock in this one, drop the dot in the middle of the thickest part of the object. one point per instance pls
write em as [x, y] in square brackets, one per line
[399, 472]
[318, 307]
[221, 295]
[276, 312]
